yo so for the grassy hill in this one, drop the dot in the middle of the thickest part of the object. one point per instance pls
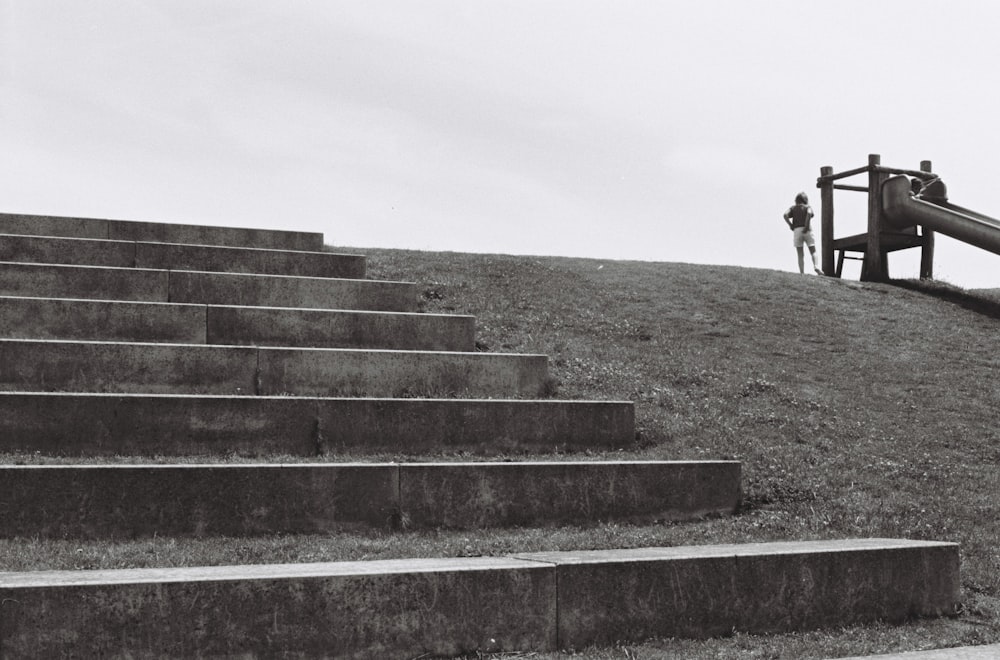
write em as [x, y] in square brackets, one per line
[857, 410]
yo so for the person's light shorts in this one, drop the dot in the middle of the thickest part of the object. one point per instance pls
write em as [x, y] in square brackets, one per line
[802, 236]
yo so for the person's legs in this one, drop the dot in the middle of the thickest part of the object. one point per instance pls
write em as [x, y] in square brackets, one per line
[809, 240]
[812, 252]
[798, 238]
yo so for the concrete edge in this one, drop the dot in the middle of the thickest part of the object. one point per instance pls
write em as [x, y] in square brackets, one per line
[373, 312]
[111, 229]
[174, 243]
[201, 272]
[983, 652]
[145, 611]
[102, 424]
[373, 399]
[277, 349]
[430, 564]
[252, 499]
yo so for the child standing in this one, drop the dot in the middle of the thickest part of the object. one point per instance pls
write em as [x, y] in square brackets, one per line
[799, 218]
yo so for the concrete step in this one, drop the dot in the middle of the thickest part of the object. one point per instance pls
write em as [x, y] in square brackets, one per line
[758, 588]
[532, 602]
[62, 424]
[159, 232]
[179, 323]
[128, 501]
[28, 365]
[182, 286]
[985, 652]
[178, 256]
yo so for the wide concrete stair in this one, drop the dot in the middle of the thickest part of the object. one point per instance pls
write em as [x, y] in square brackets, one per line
[179, 323]
[203, 288]
[115, 501]
[72, 424]
[983, 652]
[129, 230]
[178, 256]
[440, 607]
[66, 389]
[125, 339]
[65, 366]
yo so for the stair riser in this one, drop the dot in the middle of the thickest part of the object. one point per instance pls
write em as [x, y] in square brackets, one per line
[769, 593]
[101, 320]
[357, 615]
[528, 494]
[124, 230]
[47, 366]
[978, 652]
[320, 328]
[172, 256]
[134, 284]
[107, 425]
[235, 500]
[410, 608]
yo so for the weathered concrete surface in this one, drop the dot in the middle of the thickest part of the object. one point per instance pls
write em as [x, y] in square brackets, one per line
[47, 225]
[277, 239]
[90, 282]
[705, 591]
[126, 501]
[150, 424]
[287, 291]
[98, 501]
[140, 284]
[476, 495]
[102, 320]
[28, 365]
[248, 260]
[65, 366]
[111, 320]
[354, 372]
[378, 609]
[50, 225]
[986, 652]
[177, 256]
[420, 426]
[532, 602]
[69, 251]
[276, 326]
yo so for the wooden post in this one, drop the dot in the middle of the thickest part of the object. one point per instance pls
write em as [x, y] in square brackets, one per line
[927, 249]
[826, 227]
[875, 267]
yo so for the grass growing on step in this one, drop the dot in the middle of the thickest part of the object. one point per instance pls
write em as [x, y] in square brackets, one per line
[856, 409]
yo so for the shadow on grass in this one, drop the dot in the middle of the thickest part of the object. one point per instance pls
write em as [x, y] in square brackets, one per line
[981, 303]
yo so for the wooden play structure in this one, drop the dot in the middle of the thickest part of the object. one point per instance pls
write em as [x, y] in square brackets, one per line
[882, 236]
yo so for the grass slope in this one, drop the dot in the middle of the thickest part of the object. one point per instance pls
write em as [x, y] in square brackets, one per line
[856, 409]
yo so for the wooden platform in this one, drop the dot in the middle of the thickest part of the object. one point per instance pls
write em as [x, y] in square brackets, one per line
[891, 242]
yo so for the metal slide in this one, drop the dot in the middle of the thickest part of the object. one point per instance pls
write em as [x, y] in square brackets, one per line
[903, 210]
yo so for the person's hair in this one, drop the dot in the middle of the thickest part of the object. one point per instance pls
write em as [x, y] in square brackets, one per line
[801, 198]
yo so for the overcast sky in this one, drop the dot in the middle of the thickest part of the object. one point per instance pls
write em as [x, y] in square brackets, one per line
[656, 130]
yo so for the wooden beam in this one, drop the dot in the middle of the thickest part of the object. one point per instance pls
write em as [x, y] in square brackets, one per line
[840, 186]
[875, 267]
[927, 250]
[826, 227]
[842, 175]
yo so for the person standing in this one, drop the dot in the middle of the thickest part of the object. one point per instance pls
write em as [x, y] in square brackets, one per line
[799, 220]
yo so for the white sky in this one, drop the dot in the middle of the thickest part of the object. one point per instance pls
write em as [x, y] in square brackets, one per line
[647, 129]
